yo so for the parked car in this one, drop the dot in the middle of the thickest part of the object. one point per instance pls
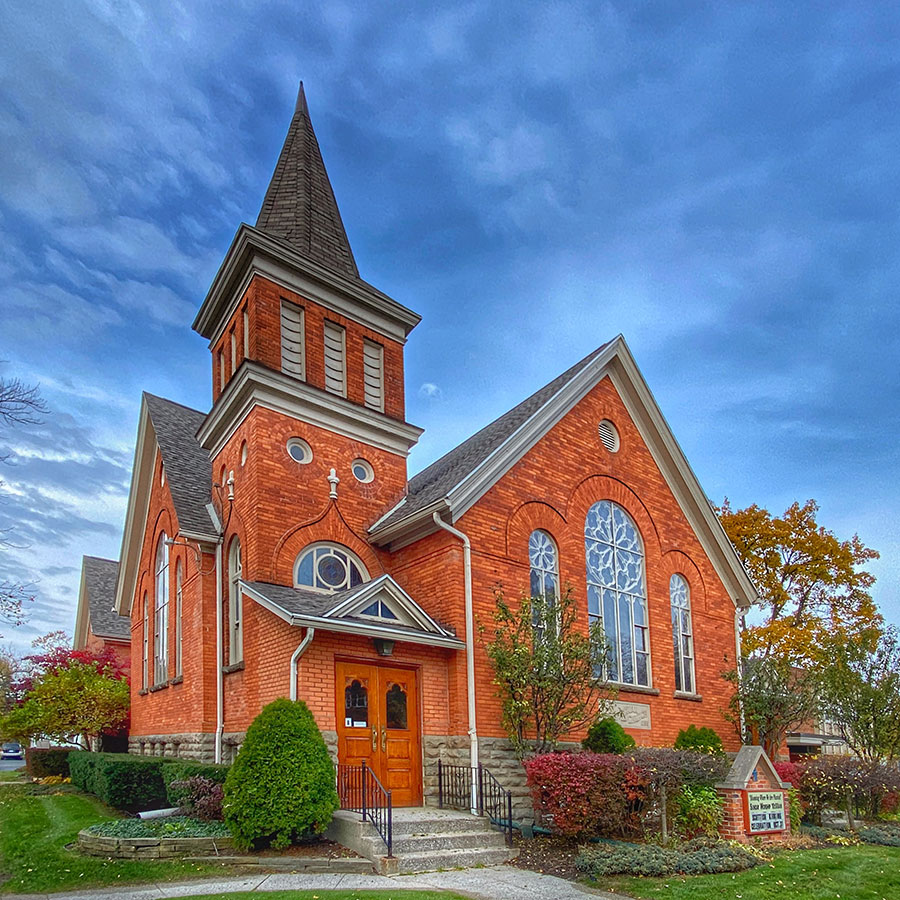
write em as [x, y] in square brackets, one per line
[12, 750]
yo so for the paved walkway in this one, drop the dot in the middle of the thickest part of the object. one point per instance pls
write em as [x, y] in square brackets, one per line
[494, 883]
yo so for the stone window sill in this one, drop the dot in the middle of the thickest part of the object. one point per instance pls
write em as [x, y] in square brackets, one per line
[234, 667]
[177, 679]
[143, 691]
[633, 689]
[159, 687]
[682, 695]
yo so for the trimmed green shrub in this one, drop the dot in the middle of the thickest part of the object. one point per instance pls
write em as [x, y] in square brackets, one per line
[607, 736]
[649, 860]
[700, 811]
[883, 834]
[281, 787]
[702, 740]
[132, 783]
[181, 770]
[41, 762]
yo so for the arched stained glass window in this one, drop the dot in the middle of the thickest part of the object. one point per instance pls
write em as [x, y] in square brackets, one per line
[328, 567]
[179, 597]
[544, 563]
[682, 634]
[161, 613]
[235, 605]
[617, 593]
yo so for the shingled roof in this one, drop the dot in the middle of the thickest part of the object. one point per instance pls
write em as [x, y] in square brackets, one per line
[187, 465]
[299, 206]
[437, 480]
[100, 586]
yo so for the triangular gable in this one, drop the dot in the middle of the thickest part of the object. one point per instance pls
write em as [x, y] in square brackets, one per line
[614, 361]
[750, 760]
[385, 590]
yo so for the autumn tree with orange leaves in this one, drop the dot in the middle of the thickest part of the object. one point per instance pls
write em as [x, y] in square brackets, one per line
[813, 589]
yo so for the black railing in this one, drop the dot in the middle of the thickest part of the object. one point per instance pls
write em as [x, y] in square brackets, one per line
[360, 791]
[476, 789]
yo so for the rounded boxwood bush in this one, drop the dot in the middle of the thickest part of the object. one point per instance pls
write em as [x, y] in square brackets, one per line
[607, 736]
[281, 786]
[702, 740]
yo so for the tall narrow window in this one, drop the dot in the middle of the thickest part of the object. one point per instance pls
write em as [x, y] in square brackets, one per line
[682, 634]
[179, 594]
[221, 371]
[544, 565]
[335, 359]
[233, 339]
[617, 595]
[245, 328]
[161, 617]
[235, 618]
[292, 340]
[145, 638]
[373, 374]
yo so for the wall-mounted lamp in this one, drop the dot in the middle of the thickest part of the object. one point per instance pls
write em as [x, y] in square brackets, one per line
[383, 646]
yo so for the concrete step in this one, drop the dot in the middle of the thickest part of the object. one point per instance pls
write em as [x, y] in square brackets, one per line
[411, 863]
[441, 825]
[455, 840]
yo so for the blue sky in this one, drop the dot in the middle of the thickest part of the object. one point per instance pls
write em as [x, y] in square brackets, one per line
[718, 182]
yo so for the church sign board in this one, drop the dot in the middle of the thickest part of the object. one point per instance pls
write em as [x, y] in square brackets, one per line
[755, 800]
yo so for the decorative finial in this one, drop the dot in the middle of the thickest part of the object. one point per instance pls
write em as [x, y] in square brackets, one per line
[334, 481]
[300, 106]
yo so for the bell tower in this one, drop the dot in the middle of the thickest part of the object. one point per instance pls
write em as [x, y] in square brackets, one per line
[307, 358]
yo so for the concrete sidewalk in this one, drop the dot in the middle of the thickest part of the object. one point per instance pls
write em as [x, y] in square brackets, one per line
[493, 883]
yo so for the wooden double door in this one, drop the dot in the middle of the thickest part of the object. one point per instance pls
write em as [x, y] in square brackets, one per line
[378, 723]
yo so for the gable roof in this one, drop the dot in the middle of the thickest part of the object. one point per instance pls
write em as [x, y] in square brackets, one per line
[434, 482]
[170, 428]
[187, 464]
[460, 478]
[747, 763]
[299, 206]
[96, 597]
[340, 611]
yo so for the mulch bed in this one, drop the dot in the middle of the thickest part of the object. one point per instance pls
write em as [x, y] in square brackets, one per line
[321, 849]
[549, 855]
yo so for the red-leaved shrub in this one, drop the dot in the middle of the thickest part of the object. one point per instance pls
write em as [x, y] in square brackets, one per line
[790, 772]
[587, 793]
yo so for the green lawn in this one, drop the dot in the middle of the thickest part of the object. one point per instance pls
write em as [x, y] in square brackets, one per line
[10, 776]
[849, 873]
[34, 831]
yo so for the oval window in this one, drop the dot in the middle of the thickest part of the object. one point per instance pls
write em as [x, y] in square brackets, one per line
[299, 450]
[362, 471]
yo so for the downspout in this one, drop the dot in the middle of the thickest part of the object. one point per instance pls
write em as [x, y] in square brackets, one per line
[295, 658]
[470, 636]
[739, 613]
[220, 649]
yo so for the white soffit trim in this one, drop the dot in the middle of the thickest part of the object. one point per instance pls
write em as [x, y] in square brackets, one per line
[253, 252]
[373, 629]
[82, 617]
[255, 385]
[145, 450]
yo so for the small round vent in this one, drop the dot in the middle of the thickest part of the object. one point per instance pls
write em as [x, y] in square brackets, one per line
[608, 435]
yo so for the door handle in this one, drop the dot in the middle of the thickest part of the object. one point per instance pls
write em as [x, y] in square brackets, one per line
[383, 739]
[374, 738]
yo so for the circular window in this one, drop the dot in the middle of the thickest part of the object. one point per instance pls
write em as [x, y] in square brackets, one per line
[299, 450]
[328, 567]
[609, 436]
[243, 453]
[362, 471]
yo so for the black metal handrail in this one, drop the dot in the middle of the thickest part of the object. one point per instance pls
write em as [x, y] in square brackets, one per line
[359, 790]
[475, 788]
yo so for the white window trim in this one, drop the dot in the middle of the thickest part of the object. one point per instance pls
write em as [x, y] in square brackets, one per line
[161, 613]
[678, 633]
[329, 545]
[145, 637]
[293, 349]
[373, 372]
[339, 332]
[235, 617]
[179, 612]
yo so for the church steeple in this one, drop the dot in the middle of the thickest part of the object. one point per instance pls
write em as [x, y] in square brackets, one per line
[299, 206]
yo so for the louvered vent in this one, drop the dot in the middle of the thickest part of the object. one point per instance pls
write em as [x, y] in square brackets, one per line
[608, 435]
[335, 360]
[292, 357]
[373, 371]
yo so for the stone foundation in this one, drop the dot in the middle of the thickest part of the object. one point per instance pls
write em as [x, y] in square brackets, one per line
[151, 848]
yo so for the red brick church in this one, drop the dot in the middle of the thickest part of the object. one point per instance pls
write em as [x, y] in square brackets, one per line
[275, 546]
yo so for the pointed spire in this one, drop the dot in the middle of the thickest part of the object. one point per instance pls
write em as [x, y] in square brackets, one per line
[299, 206]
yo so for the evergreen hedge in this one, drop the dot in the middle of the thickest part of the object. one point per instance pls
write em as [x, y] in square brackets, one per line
[281, 787]
[41, 762]
[131, 783]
